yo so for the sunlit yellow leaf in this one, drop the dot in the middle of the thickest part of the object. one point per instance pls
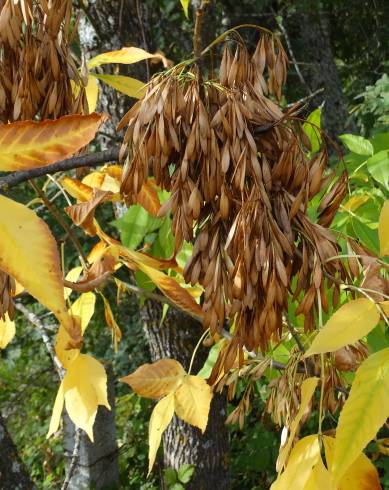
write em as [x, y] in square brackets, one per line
[65, 354]
[361, 475]
[160, 419]
[84, 307]
[157, 379]
[383, 229]
[320, 478]
[92, 93]
[112, 324]
[185, 6]
[57, 411]
[365, 411]
[102, 180]
[85, 388]
[126, 56]
[350, 323]
[28, 252]
[307, 389]
[7, 331]
[126, 85]
[304, 456]
[355, 202]
[72, 276]
[192, 400]
[76, 189]
[29, 144]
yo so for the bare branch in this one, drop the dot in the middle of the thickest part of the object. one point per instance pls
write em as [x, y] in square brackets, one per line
[74, 460]
[88, 160]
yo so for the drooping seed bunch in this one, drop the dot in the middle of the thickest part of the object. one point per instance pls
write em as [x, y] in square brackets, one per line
[35, 61]
[7, 290]
[240, 184]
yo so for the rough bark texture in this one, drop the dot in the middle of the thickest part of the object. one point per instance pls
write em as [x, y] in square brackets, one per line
[182, 443]
[13, 474]
[310, 29]
[97, 464]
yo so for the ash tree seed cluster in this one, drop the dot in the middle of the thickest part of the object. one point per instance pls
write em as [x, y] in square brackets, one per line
[240, 183]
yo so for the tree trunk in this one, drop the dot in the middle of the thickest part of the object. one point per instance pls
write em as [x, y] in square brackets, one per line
[209, 452]
[97, 464]
[309, 31]
[13, 474]
[110, 25]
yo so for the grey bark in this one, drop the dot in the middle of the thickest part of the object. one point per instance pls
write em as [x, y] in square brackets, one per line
[97, 463]
[13, 474]
[209, 452]
[309, 31]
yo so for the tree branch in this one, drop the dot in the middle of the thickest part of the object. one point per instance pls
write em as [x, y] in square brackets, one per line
[89, 160]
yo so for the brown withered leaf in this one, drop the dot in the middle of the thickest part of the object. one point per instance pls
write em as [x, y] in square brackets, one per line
[83, 214]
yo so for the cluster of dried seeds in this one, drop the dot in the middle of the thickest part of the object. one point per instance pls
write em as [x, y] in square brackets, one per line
[240, 184]
[36, 66]
[7, 291]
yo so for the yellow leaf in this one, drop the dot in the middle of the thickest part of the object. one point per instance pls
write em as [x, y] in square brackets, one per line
[192, 400]
[365, 411]
[57, 411]
[126, 56]
[355, 202]
[361, 475]
[72, 276]
[65, 354]
[29, 144]
[84, 307]
[7, 331]
[76, 189]
[126, 85]
[350, 323]
[185, 6]
[383, 229]
[160, 419]
[85, 388]
[102, 180]
[28, 252]
[304, 456]
[320, 478]
[92, 93]
[307, 389]
[112, 324]
[157, 379]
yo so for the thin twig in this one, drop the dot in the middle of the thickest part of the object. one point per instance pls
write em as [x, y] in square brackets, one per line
[89, 160]
[32, 318]
[303, 100]
[144, 39]
[58, 216]
[74, 460]
[291, 53]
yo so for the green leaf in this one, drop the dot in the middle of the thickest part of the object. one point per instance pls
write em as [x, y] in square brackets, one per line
[380, 141]
[205, 371]
[170, 476]
[365, 411]
[378, 166]
[185, 6]
[365, 234]
[311, 128]
[134, 225]
[177, 486]
[126, 85]
[357, 144]
[185, 473]
[143, 281]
